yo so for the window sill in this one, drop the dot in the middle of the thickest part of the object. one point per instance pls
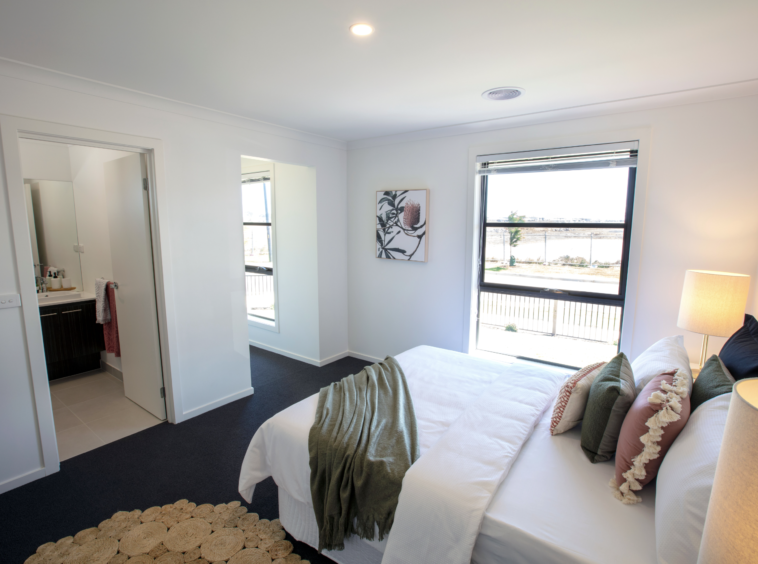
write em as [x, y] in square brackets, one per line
[259, 323]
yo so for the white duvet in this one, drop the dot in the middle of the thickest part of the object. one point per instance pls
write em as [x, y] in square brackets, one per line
[473, 417]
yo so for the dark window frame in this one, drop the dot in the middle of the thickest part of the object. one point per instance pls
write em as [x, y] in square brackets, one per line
[566, 295]
[250, 268]
[258, 269]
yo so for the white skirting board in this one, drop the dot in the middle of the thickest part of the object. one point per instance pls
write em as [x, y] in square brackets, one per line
[24, 479]
[313, 361]
[112, 370]
[214, 404]
[362, 356]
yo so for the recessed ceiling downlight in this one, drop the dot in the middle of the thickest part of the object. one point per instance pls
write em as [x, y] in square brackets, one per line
[503, 93]
[361, 29]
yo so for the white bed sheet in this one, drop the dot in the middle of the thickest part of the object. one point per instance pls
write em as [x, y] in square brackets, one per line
[555, 507]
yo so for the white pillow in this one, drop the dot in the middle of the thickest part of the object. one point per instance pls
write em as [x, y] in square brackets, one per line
[665, 355]
[685, 479]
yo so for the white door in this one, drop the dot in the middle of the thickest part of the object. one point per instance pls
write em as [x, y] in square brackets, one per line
[132, 256]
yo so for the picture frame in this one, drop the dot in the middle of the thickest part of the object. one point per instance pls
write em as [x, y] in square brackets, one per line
[402, 224]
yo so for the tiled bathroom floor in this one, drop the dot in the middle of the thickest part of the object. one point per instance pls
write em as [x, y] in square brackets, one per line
[91, 410]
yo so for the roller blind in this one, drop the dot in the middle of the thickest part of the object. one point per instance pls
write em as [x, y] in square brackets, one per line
[566, 158]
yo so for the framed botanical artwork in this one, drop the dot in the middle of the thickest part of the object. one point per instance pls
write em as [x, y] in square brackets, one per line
[402, 222]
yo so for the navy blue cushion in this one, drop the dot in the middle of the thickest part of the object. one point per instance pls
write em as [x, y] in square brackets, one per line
[740, 353]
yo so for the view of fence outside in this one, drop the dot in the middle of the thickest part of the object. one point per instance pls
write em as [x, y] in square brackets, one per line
[564, 332]
[259, 292]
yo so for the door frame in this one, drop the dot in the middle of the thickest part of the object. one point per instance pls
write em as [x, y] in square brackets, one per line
[12, 129]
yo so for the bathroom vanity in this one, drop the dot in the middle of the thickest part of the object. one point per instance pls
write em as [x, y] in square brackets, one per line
[73, 340]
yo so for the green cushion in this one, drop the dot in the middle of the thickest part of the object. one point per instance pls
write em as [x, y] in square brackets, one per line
[714, 379]
[611, 395]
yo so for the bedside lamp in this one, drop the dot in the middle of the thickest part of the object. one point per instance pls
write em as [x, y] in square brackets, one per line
[730, 535]
[713, 303]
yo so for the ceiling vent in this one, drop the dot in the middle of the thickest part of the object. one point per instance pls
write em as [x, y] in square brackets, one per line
[503, 93]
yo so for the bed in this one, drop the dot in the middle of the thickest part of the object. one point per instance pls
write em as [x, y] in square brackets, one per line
[549, 506]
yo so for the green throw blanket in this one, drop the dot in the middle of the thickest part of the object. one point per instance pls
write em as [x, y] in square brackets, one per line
[361, 444]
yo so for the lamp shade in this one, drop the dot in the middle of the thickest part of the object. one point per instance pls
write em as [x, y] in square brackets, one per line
[713, 303]
[730, 535]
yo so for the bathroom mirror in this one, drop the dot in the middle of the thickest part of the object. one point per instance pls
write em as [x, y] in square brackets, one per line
[52, 227]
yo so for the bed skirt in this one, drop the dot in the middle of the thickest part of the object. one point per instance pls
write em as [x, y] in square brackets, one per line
[299, 521]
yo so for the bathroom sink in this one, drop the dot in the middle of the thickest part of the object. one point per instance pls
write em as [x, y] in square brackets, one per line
[57, 297]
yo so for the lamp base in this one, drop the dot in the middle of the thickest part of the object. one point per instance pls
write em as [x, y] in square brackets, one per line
[703, 353]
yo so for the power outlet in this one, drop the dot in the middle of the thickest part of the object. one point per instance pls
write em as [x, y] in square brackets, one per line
[9, 300]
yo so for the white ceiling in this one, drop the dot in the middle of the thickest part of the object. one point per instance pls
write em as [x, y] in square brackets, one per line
[294, 63]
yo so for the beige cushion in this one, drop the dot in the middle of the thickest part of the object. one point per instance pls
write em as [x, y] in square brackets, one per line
[664, 355]
[572, 399]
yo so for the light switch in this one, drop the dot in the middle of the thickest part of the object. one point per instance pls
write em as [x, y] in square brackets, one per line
[9, 300]
[81, 248]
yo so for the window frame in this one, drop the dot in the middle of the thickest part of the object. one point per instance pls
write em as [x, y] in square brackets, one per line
[257, 320]
[566, 295]
[618, 300]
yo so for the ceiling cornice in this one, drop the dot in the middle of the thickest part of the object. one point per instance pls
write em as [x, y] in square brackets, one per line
[668, 99]
[55, 79]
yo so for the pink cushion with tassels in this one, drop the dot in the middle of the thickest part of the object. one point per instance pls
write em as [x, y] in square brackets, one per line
[656, 417]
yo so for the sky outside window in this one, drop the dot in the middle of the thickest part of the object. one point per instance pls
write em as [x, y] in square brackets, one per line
[592, 196]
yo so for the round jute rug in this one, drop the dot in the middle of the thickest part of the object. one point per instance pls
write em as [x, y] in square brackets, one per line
[177, 533]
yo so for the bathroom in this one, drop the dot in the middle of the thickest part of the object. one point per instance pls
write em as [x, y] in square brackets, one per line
[89, 216]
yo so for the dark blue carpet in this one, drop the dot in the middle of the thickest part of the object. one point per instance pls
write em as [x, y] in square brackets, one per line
[199, 460]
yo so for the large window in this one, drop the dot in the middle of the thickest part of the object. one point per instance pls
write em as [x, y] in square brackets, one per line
[259, 247]
[554, 246]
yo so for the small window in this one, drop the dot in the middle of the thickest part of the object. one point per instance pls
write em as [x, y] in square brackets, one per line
[257, 221]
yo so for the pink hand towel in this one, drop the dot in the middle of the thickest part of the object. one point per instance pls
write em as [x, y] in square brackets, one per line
[110, 330]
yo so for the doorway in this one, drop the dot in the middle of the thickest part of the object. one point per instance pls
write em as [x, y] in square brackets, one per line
[89, 217]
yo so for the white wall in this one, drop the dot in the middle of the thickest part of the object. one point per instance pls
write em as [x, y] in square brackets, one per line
[202, 152]
[45, 161]
[297, 265]
[87, 175]
[702, 197]
[91, 211]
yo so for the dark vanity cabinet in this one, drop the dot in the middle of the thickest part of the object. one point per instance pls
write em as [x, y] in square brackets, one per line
[73, 340]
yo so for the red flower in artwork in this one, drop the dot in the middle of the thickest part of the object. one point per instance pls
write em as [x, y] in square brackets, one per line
[411, 214]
